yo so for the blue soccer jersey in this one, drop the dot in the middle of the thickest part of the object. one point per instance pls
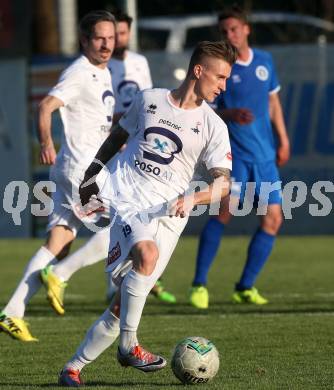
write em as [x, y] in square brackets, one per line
[249, 87]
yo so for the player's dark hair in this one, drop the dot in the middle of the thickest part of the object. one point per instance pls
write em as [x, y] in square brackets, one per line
[123, 17]
[88, 22]
[221, 49]
[233, 11]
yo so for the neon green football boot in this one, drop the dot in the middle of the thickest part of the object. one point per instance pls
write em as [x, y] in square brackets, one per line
[199, 297]
[16, 328]
[55, 289]
[161, 294]
[249, 296]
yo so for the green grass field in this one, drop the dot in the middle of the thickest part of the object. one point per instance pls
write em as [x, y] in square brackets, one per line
[289, 344]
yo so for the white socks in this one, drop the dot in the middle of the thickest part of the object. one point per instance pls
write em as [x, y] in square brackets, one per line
[127, 340]
[99, 337]
[29, 284]
[94, 250]
[134, 290]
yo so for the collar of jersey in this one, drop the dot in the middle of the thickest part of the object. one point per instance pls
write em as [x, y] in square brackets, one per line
[93, 67]
[179, 108]
[250, 59]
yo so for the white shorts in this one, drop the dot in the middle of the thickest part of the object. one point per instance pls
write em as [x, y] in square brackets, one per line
[67, 209]
[122, 238]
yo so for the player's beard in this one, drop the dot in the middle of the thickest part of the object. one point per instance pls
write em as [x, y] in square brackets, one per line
[119, 52]
[106, 55]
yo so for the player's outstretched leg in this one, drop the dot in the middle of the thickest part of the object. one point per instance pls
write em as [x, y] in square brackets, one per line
[207, 250]
[134, 290]
[99, 337]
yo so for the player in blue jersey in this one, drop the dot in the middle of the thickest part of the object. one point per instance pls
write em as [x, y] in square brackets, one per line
[252, 110]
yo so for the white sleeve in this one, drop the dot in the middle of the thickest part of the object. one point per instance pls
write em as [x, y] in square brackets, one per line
[218, 151]
[130, 118]
[68, 88]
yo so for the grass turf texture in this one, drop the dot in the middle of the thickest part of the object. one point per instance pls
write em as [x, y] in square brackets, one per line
[287, 344]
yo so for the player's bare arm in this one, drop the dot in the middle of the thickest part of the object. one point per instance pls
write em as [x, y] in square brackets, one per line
[109, 148]
[216, 191]
[47, 150]
[277, 118]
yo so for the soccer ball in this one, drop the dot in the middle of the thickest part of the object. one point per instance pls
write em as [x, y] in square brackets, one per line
[195, 360]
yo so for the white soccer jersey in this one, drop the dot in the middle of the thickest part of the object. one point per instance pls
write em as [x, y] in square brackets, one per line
[165, 145]
[128, 77]
[88, 98]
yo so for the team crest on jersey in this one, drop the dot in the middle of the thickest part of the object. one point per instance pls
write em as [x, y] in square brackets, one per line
[114, 254]
[151, 109]
[165, 145]
[262, 73]
[236, 78]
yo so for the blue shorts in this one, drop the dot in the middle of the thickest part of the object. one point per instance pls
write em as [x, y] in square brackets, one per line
[264, 184]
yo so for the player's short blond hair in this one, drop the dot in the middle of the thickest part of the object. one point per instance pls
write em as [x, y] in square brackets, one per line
[221, 49]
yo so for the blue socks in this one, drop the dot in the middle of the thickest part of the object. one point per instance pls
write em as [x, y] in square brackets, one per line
[258, 252]
[207, 250]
